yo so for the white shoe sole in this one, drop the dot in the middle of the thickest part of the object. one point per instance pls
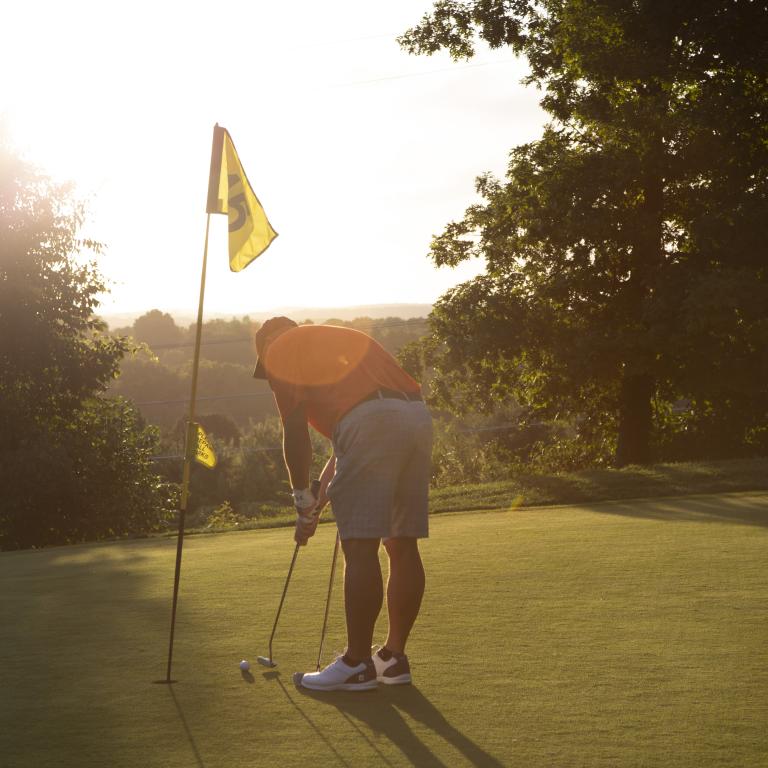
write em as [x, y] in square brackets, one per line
[399, 680]
[367, 686]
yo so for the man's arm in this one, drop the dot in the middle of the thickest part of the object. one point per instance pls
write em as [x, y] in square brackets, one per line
[297, 451]
[297, 447]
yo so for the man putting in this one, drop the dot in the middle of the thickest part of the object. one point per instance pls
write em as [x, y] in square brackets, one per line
[350, 389]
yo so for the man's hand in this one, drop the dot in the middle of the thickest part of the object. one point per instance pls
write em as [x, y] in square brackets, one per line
[306, 527]
[307, 513]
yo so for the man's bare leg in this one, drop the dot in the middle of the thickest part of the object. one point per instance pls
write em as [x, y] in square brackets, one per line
[363, 594]
[405, 589]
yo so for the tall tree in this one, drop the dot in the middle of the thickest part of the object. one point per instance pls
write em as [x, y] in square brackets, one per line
[156, 329]
[626, 249]
[72, 464]
[52, 352]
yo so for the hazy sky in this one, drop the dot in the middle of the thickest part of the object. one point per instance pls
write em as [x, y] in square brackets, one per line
[358, 152]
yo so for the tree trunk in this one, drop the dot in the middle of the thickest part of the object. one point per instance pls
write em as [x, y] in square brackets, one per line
[633, 445]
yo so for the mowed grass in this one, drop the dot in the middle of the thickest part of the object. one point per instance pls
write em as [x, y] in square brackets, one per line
[617, 634]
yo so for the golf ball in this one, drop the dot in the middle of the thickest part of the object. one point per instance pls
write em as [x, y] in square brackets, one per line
[245, 665]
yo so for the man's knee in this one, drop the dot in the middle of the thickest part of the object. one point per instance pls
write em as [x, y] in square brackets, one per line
[360, 550]
[401, 547]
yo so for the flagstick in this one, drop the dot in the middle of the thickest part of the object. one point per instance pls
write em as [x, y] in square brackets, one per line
[188, 452]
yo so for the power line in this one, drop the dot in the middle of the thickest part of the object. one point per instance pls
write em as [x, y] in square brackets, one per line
[213, 342]
[267, 449]
[184, 401]
[373, 326]
[422, 74]
[362, 38]
[248, 452]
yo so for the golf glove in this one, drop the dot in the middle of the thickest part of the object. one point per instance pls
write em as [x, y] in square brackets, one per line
[304, 501]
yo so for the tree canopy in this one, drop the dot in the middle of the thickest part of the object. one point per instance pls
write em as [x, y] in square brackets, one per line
[625, 249]
[73, 465]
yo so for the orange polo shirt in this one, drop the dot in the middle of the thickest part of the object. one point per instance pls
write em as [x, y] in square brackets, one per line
[328, 370]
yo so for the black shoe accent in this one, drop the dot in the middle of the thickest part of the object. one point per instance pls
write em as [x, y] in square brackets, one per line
[368, 674]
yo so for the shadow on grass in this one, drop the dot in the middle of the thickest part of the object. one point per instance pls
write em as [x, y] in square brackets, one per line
[660, 480]
[275, 676]
[190, 737]
[725, 510]
[79, 621]
[382, 712]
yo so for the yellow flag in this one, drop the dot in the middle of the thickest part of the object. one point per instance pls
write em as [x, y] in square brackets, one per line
[230, 192]
[204, 453]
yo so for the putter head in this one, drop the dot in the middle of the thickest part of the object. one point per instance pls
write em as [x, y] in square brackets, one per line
[265, 662]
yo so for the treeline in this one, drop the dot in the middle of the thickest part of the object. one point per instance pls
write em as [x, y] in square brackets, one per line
[156, 375]
[237, 411]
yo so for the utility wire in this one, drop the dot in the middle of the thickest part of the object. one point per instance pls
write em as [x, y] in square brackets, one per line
[249, 339]
[184, 401]
[362, 38]
[422, 74]
[252, 451]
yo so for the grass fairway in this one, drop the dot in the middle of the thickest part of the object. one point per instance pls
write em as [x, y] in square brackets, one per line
[618, 634]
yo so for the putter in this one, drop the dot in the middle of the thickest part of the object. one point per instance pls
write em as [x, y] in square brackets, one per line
[268, 661]
[328, 600]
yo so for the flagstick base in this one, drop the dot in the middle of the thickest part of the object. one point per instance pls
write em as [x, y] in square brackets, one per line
[164, 682]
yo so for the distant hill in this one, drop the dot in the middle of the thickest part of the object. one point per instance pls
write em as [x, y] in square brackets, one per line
[316, 314]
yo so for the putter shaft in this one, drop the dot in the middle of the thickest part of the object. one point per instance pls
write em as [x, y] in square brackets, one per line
[315, 487]
[328, 600]
[280, 607]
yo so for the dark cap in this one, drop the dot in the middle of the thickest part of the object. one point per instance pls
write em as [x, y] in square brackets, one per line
[271, 327]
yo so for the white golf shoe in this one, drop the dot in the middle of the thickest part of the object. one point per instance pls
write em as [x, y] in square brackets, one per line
[339, 676]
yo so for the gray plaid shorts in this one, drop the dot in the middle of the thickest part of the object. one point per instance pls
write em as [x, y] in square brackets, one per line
[383, 465]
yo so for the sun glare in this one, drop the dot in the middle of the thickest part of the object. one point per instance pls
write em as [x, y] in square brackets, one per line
[350, 165]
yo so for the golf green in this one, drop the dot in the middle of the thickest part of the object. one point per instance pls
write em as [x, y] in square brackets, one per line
[616, 634]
